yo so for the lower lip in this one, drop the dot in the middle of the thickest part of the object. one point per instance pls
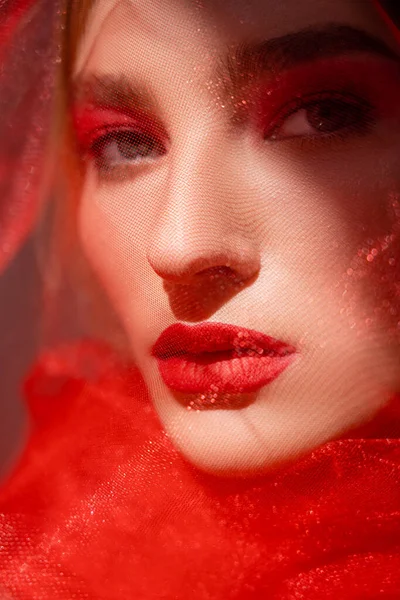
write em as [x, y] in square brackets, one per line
[221, 372]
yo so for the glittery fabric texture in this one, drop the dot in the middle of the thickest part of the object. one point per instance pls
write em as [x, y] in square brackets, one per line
[103, 507]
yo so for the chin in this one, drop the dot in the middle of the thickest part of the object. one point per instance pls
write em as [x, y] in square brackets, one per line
[254, 438]
[267, 429]
[314, 398]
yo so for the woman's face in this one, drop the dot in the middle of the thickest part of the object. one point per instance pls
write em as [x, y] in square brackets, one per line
[242, 186]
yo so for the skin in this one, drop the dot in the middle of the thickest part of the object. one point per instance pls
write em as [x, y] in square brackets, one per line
[288, 219]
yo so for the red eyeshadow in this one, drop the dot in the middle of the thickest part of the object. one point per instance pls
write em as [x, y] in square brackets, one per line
[376, 80]
[90, 121]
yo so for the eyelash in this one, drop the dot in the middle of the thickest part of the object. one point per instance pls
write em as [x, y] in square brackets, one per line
[118, 135]
[362, 109]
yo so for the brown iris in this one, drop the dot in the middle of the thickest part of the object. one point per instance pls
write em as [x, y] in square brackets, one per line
[333, 114]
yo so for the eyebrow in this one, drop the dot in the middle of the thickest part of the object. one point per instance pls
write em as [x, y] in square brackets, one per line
[242, 63]
[249, 60]
[112, 91]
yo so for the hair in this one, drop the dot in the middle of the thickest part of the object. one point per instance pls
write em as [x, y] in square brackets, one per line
[62, 262]
[76, 16]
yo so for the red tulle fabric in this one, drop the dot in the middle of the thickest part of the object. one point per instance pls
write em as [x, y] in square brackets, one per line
[28, 28]
[103, 507]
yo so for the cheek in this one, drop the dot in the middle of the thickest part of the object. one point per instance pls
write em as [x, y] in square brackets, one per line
[339, 244]
[114, 232]
[106, 238]
[369, 285]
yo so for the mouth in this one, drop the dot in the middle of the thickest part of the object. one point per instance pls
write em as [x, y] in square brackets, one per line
[219, 359]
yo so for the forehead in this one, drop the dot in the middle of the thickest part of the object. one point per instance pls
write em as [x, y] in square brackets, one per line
[182, 23]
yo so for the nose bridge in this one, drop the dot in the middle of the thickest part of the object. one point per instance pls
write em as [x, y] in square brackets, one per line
[196, 229]
[199, 181]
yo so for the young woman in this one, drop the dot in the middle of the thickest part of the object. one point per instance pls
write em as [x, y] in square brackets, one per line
[235, 192]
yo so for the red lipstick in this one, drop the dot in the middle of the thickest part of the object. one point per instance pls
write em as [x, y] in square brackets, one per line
[219, 358]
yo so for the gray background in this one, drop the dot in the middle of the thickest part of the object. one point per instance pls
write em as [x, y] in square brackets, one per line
[19, 315]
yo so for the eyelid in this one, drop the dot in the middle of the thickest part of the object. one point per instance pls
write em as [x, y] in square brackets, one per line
[111, 131]
[357, 75]
[93, 121]
[301, 103]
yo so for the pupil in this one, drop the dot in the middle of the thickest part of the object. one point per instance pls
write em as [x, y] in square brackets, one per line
[332, 115]
[131, 145]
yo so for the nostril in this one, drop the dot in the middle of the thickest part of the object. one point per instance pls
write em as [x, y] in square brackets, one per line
[217, 271]
[224, 275]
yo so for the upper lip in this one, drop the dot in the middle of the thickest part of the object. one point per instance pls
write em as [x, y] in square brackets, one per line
[180, 339]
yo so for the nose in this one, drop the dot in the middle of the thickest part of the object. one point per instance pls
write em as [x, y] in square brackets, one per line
[205, 221]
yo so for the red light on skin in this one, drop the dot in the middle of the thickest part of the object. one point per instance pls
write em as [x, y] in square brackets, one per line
[369, 78]
[92, 121]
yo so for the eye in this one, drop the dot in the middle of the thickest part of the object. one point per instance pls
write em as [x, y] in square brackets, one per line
[125, 147]
[322, 116]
